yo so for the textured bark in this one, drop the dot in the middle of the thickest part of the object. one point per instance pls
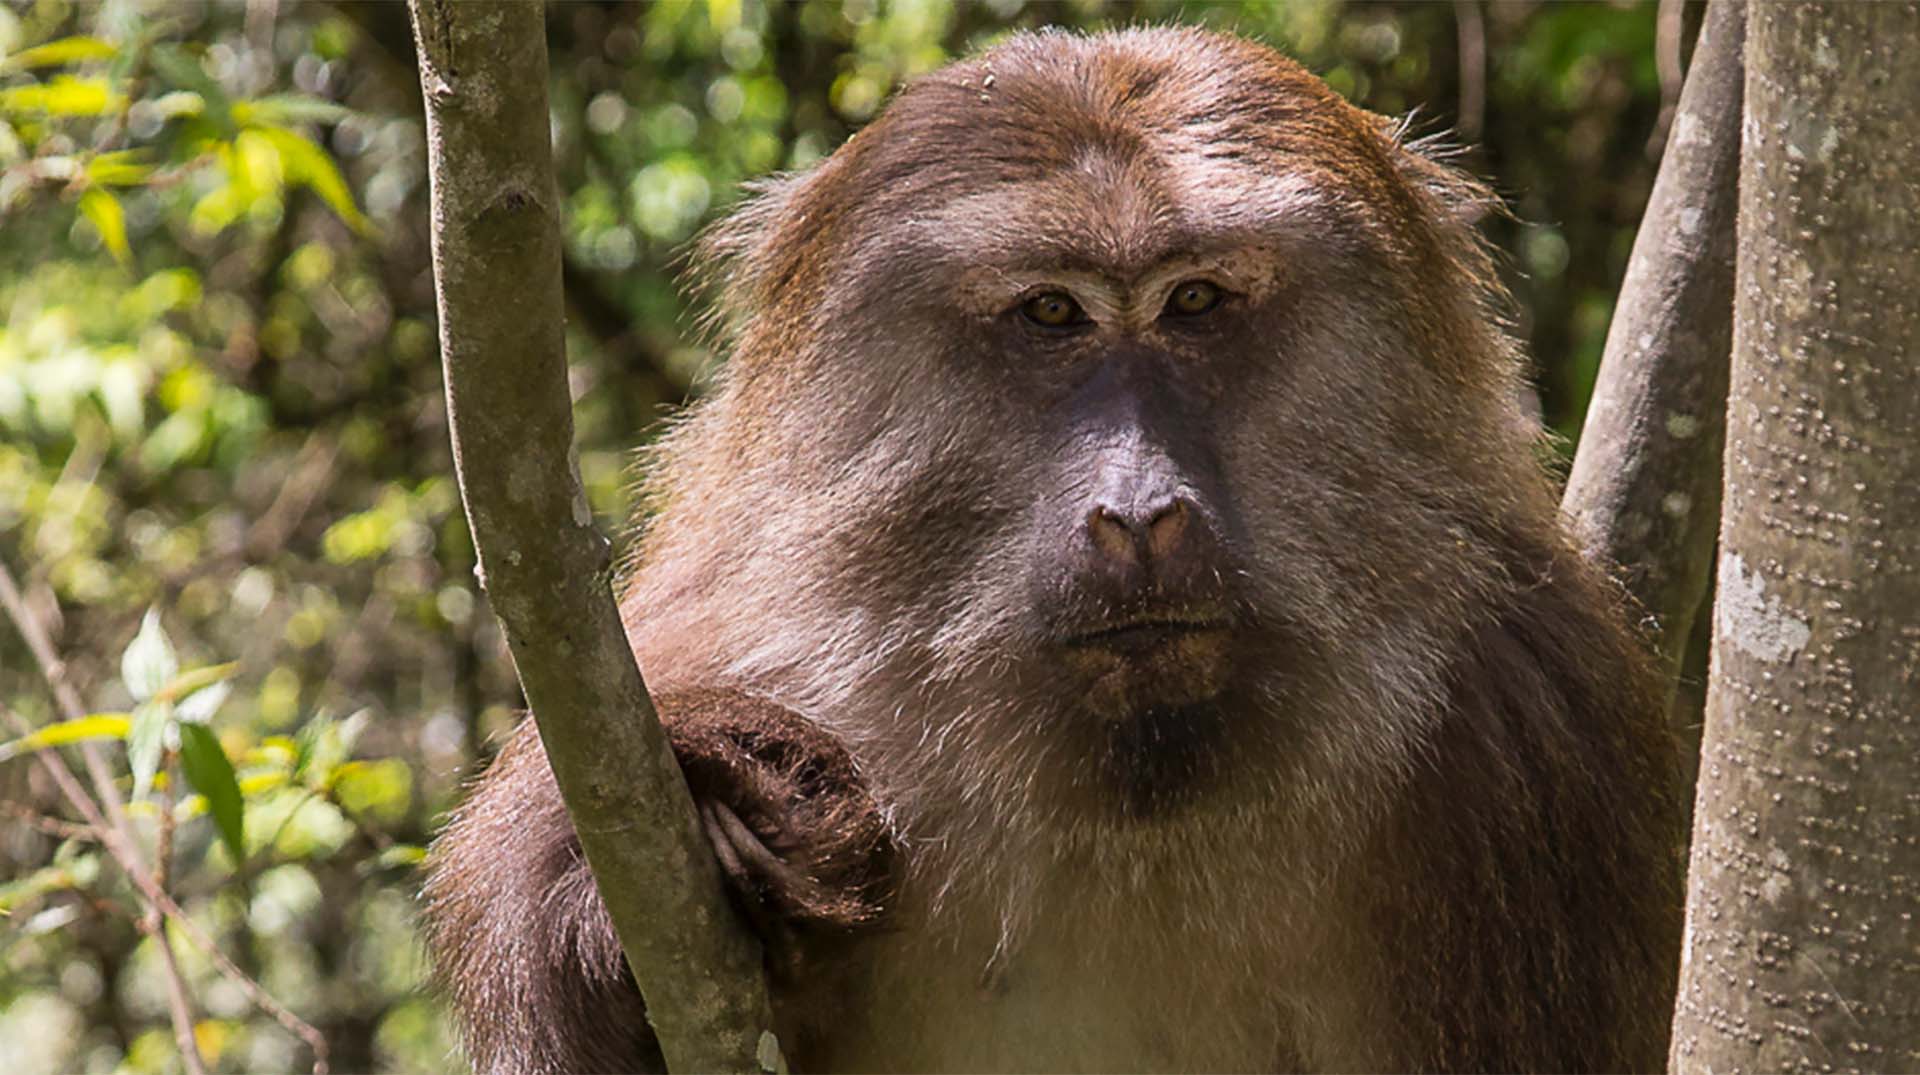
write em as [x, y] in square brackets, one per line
[1645, 489]
[496, 254]
[1803, 918]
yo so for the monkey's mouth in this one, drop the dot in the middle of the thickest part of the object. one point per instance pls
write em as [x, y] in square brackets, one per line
[1126, 666]
[1143, 635]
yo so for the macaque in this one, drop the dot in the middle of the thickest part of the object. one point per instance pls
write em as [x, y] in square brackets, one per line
[1113, 615]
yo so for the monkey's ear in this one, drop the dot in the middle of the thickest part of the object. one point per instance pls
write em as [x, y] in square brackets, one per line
[731, 262]
[1427, 163]
[1457, 202]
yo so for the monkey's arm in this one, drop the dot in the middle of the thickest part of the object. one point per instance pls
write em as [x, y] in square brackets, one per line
[1535, 921]
[517, 930]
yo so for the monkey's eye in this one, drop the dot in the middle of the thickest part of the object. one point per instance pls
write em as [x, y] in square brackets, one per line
[1053, 309]
[1192, 298]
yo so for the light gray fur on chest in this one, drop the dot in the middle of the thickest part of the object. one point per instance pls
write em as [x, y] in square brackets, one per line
[1098, 973]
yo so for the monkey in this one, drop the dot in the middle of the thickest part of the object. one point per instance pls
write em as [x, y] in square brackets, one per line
[1113, 614]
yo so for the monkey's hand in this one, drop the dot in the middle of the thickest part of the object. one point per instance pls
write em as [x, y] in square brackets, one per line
[796, 833]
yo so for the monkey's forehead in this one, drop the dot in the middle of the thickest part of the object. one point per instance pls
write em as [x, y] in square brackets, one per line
[1111, 153]
[1040, 103]
[1117, 151]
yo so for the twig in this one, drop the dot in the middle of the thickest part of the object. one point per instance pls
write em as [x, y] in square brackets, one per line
[1470, 28]
[117, 836]
[120, 846]
[55, 672]
[309, 475]
[179, 1007]
[1669, 25]
[58, 827]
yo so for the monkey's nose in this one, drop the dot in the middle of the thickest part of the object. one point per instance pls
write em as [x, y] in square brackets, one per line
[1141, 536]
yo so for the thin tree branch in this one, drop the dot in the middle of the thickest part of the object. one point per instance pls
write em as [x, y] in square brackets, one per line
[120, 847]
[497, 270]
[115, 833]
[1645, 489]
[154, 924]
[1470, 35]
[54, 671]
[125, 854]
[1669, 30]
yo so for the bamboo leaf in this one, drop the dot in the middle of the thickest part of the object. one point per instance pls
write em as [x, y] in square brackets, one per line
[283, 108]
[181, 69]
[79, 730]
[120, 168]
[78, 872]
[63, 95]
[211, 774]
[324, 744]
[259, 784]
[103, 211]
[399, 856]
[304, 162]
[56, 53]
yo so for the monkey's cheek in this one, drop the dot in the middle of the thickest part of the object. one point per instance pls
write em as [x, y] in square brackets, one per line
[1117, 684]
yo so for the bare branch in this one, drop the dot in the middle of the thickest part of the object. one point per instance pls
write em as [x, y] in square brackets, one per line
[116, 835]
[497, 270]
[1470, 33]
[179, 1007]
[1645, 488]
[151, 922]
[54, 671]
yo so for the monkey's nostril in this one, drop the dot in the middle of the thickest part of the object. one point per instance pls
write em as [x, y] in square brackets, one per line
[1166, 529]
[1112, 536]
[1133, 538]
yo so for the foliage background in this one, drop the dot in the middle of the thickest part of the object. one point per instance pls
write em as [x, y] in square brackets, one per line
[219, 398]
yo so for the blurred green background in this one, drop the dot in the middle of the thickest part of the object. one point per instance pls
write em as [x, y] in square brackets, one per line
[220, 399]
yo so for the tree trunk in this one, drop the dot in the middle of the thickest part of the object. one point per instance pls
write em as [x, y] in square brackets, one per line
[1803, 913]
[496, 262]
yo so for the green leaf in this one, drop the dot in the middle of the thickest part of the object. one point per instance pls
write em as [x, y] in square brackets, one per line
[145, 738]
[325, 743]
[64, 95]
[120, 168]
[211, 774]
[79, 730]
[259, 784]
[103, 211]
[11, 149]
[178, 103]
[256, 164]
[149, 662]
[380, 790]
[184, 71]
[78, 872]
[399, 856]
[283, 108]
[55, 53]
[304, 162]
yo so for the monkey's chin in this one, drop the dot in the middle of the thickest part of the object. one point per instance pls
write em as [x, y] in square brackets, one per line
[1154, 706]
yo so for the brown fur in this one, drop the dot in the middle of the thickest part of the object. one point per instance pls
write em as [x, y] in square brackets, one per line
[1415, 812]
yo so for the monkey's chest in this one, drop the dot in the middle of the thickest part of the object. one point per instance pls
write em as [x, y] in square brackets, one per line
[1062, 1002]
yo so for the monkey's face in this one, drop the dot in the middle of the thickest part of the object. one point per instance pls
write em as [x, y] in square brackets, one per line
[1118, 391]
